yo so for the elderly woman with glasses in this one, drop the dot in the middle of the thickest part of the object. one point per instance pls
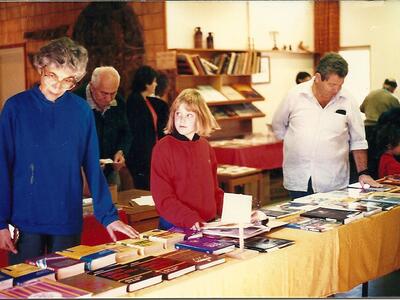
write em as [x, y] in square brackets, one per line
[47, 134]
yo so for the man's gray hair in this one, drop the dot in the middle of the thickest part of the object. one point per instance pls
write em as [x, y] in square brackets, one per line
[64, 53]
[332, 63]
[104, 70]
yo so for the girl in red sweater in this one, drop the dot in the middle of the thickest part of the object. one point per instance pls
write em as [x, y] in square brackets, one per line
[388, 140]
[184, 167]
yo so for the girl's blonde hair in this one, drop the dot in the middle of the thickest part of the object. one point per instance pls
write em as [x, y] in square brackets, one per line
[193, 100]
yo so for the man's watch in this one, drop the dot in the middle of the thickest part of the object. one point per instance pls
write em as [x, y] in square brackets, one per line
[363, 172]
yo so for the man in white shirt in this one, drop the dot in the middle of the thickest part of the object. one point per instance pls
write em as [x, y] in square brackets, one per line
[320, 123]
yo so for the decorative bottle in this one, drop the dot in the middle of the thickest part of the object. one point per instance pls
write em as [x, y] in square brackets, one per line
[198, 38]
[210, 41]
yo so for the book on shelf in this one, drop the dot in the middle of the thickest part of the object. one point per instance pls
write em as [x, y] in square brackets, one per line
[169, 268]
[247, 91]
[167, 238]
[245, 109]
[23, 273]
[228, 110]
[218, 112]
[211, 69]
[94, 257]
[207, 245]
[6, 281]
[186, 65]
[134, 276]
[383, 205]
[232, 61]
[61, 265]
[96, 285]
[200, 259]
[266, 244]
[122, 253]
[230, 93]
[44, 288]
[199, 66]
[310, 224]
[341, 215]
[144, 246]
[210, 94]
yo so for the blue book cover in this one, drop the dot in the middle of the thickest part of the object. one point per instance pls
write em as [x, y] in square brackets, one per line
[88, 259]
[206, 244]
[34, 275]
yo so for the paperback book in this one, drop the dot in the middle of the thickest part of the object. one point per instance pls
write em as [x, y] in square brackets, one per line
[384, 198]
[6, 281]
[310, 224]
[340, 215]
[23, 273]
[206, 244]
[144, 246]
[276, 213]
[44, 288]
[200, 259]
[266, 244]
[383, 205]
[94, 257]
[123, 253]
[167, 238]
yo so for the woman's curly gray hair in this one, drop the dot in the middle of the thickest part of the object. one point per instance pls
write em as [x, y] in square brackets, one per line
[64, 53]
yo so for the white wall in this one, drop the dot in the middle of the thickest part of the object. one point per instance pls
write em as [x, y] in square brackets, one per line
[231, 26]
[374, 23]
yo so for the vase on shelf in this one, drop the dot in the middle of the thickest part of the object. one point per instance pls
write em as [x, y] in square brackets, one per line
[210, 41]
[198, 38]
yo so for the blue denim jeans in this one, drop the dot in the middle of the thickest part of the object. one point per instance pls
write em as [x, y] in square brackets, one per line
[31, 245]
[164, 224]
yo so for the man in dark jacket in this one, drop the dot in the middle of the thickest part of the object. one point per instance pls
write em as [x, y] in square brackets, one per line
[111, 123]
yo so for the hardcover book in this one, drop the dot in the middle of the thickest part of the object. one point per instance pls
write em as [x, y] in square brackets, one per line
[44, 288]
[94, 257]
[144, 246]
[316, 225]
[341, 215]
[61, 265]
[246, 91]
[200, 259]
[266, 244]
[24, 273]
[96, 285]
[206, 244]
[6, 281]
[169, 268]
[167, 238]
[134, 276]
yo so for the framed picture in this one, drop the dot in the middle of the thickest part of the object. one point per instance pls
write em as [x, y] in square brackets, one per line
[264, 76]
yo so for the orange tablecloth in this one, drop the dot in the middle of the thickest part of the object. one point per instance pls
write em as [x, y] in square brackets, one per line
[266, 156]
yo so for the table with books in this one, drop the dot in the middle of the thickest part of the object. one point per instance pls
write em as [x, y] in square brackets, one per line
[362, 244]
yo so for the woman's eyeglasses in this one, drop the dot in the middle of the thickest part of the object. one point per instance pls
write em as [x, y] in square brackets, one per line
[67, 83]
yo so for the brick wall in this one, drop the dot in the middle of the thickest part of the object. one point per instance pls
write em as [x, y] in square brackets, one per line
[16, 18]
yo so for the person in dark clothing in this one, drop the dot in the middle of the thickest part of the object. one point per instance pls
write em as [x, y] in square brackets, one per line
[110, 115]
[47, 135]
[302, 77]
[147, 117]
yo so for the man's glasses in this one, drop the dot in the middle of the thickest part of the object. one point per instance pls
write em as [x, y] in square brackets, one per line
[67, 83]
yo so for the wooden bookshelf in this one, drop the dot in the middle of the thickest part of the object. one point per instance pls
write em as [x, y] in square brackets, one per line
[240, 75]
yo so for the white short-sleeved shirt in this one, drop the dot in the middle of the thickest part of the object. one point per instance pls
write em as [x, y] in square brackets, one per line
[317, 140]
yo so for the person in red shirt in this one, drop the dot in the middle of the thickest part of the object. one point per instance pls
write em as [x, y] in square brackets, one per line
[388, 140]
[183, 179]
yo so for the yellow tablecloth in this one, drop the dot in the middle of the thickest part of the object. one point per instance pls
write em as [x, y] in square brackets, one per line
[317, 265]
